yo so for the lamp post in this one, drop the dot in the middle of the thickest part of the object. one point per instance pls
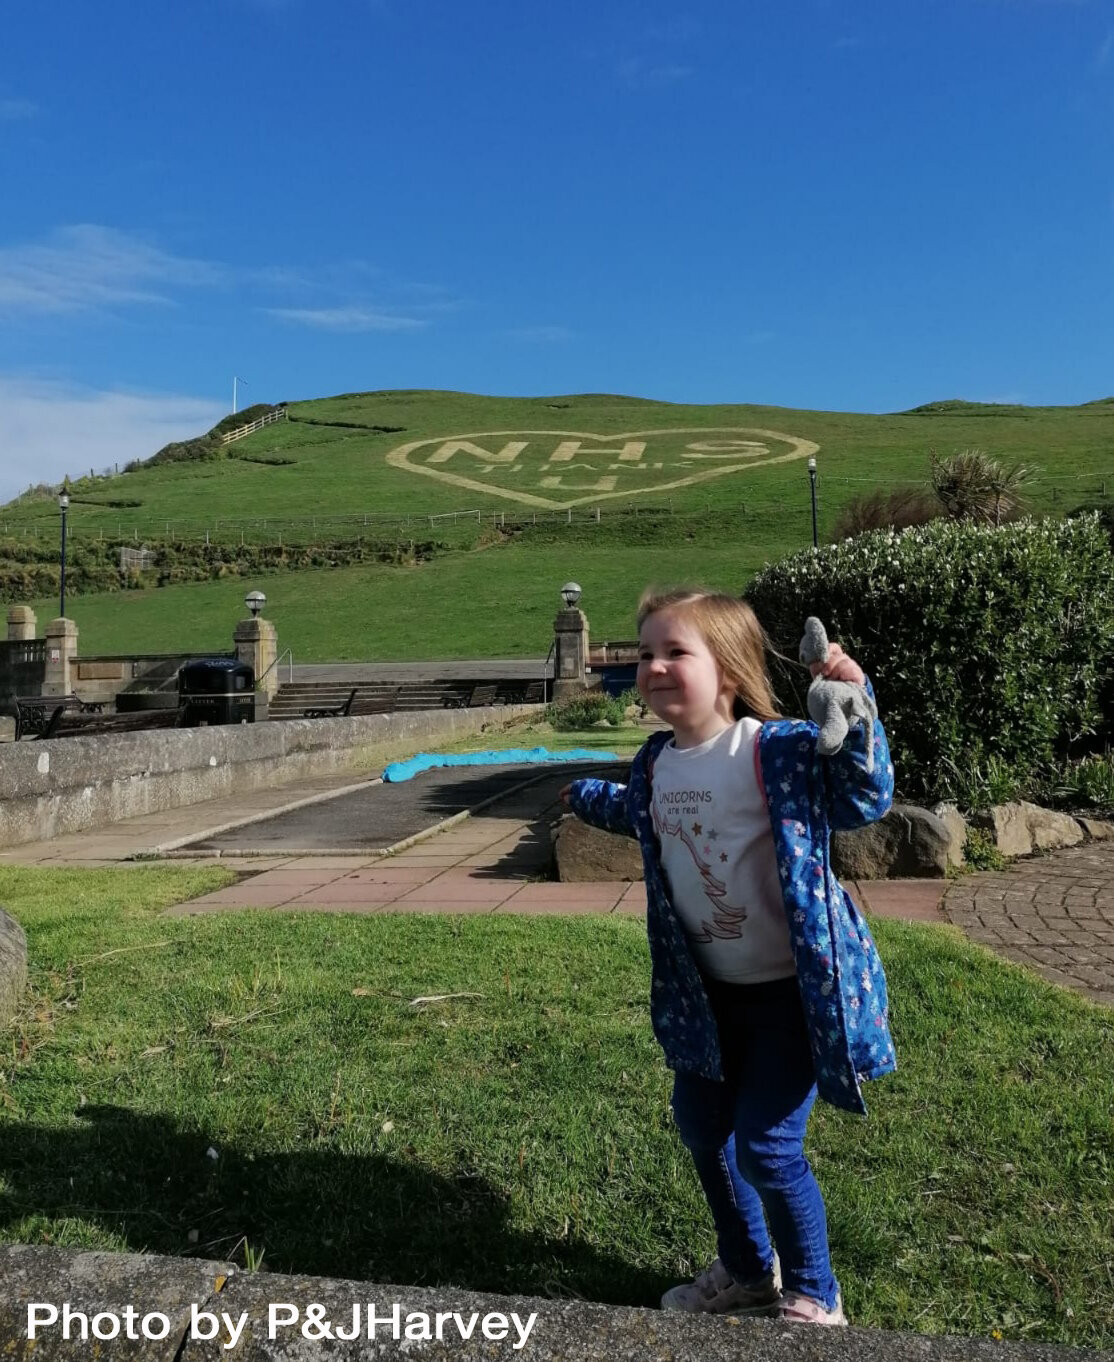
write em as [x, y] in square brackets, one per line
[570, 644]
[255, 601]
[63, 506]
[812, 485]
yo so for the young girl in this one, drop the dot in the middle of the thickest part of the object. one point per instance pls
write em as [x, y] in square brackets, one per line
[766, 984]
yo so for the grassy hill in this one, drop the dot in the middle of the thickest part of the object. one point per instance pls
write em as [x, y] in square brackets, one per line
[732, 481]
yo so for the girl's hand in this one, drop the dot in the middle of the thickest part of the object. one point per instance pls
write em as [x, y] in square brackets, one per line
[839, 667]
[563, 793]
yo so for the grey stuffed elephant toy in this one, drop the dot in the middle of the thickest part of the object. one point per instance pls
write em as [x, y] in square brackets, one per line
[835, 705]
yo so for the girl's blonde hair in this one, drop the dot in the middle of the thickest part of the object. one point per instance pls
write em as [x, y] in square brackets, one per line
[734, 637]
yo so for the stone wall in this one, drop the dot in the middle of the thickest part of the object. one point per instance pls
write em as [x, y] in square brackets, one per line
[190, 1310]
[49, 789]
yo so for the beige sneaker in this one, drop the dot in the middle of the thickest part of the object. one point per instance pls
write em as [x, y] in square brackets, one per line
[794, 1308]
[716, 1292]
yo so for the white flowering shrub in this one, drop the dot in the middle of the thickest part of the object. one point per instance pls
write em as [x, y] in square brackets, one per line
[984, 645]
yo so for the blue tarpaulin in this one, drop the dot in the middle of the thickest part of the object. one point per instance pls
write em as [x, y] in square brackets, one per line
[511, 756]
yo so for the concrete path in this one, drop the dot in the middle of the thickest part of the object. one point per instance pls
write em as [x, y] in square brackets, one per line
[381, 816]
[492, 862]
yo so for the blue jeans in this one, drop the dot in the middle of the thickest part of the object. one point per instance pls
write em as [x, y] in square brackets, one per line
[746, 1136]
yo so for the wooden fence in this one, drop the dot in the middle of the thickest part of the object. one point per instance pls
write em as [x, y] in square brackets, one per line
[241, 431]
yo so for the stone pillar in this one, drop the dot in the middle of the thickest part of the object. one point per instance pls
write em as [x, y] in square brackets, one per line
[257, 645]
[571, 666]
[61, 650]
[21, 623]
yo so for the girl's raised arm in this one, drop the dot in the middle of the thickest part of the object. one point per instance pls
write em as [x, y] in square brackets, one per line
[601, 803]
[857, 795]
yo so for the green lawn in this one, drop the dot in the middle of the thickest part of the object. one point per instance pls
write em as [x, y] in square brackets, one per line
[498, 602]
[520, 1139]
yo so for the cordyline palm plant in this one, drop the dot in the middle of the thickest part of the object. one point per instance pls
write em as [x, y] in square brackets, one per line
[972, 486]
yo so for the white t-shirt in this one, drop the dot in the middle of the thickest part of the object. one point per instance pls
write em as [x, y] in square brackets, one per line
[717, 851]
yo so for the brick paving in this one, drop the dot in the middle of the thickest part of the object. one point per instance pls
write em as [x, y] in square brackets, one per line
[1054, 913]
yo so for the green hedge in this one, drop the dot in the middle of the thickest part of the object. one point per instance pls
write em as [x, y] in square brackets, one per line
[986, 647]
[30, 569]
[590, 707]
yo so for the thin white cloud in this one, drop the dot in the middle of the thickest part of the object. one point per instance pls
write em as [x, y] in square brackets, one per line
[88, 266]
[345, 318]
[636, 73]
[49, 429]
[17, 110]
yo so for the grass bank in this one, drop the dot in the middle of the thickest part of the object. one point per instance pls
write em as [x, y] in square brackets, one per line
[497, 602]
[518, 1137]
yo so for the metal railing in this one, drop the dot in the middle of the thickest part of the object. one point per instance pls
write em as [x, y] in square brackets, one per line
[22, 652]
[286, 652]
[547, 688]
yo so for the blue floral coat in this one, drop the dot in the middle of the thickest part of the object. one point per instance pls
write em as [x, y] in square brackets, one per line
[843, 988]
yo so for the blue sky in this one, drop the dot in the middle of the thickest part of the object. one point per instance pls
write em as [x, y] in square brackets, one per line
[840, 204]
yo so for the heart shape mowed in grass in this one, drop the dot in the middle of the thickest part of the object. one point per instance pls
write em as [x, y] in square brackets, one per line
[602, 467]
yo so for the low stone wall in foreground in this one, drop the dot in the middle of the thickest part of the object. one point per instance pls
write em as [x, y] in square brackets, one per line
[200, 1304]
[65, 785]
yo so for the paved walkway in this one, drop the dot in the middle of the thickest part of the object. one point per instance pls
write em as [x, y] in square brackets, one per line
[1053, 913]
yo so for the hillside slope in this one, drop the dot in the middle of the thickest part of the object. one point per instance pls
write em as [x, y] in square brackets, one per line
[510, 489]
[391, 454]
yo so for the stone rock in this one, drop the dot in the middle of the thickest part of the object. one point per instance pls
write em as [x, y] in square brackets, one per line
[909, 843]
[1096, 829]
[1050, 830]
[585, 853]
[1021, 828]
[13, 966]
[1008, 828]
[956, 825]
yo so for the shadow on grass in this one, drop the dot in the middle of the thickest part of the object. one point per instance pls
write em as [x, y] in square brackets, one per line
[323, 1212]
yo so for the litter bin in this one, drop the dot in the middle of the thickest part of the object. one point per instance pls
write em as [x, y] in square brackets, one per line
[216, 690]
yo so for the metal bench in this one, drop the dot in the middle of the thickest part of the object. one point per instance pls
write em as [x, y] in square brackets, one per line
[34, 712]
[64, 723]
[381, 702]
[456, 696]
[331, 711]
